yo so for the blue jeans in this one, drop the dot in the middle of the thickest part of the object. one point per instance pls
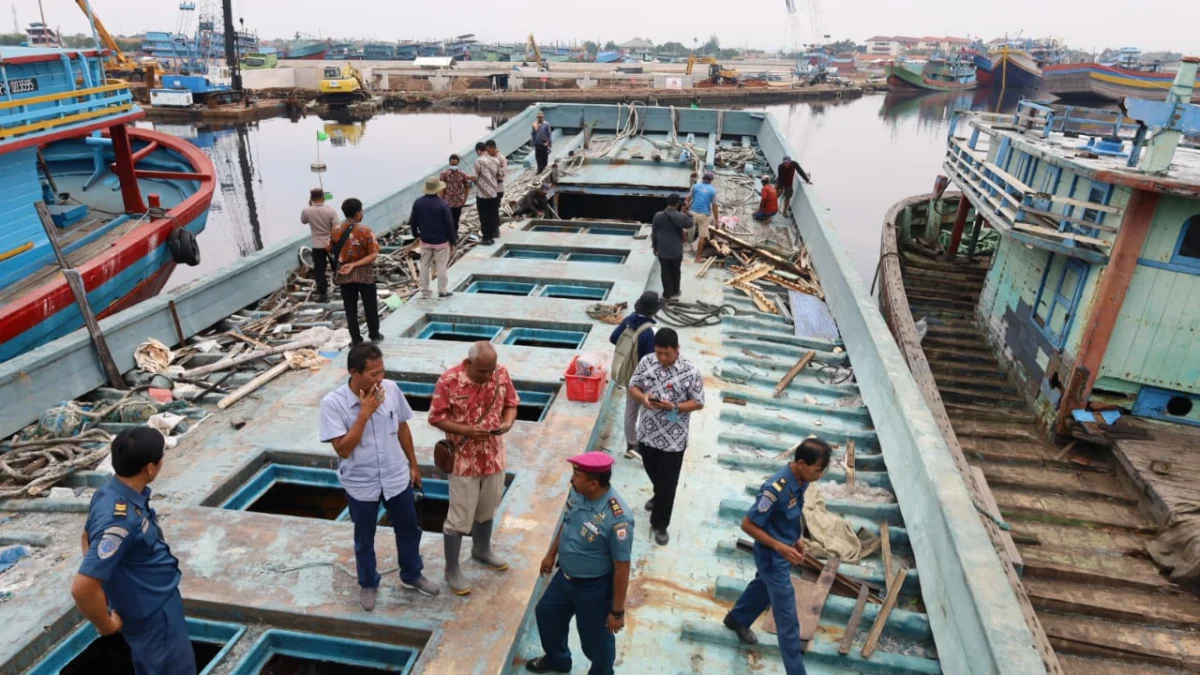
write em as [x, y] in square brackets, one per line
[589, 601]
[403, 514]
[763, 217]
[159, 643]
[773, 586]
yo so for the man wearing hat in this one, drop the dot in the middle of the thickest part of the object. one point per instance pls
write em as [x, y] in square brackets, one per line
[592, 547]
[541, 141]
[320, 219]
[786, 180]
[702, 206]
[634, 339]
[535, 202]
[432, 223]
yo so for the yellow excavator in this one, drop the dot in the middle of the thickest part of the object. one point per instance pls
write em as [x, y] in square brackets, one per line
[531, 45]
[341, 86]
[120, 64]
[717, 73]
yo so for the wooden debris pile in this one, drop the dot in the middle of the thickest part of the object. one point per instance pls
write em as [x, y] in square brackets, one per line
[755, 265]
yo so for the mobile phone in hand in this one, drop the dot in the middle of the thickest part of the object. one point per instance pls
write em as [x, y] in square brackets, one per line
[496, 432]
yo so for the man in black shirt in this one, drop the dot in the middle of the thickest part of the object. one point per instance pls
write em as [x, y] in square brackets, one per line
[666, 238]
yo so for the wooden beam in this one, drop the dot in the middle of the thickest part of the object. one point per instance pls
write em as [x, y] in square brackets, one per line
[889, 603]
[1070, 219]
[75, 281]
[809, 613]
[791, 374]
[708, 263]
[855, 619]
[1051, 232]
[765, 255]
[850, 463]
[885, 541]
[960, 225]
[1110, 296]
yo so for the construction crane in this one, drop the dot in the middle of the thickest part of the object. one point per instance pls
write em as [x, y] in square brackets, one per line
[531, 45]
[717, 73]
[119, 63]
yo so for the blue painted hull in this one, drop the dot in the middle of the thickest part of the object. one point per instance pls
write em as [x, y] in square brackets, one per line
[1010, 74]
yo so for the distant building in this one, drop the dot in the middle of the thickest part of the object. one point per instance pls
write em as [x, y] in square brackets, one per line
[637, 49]
[885, 46]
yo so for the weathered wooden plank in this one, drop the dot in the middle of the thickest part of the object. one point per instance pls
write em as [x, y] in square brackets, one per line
[855, 619]
[885, 541]
[989, 502]
[889, 603]
[1050, 232]
[791, 374]
[850, 463]
[809, 612]
[1117, 604]
[803, 590]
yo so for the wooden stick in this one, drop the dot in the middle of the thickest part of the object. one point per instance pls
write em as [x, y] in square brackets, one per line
[708, 262]
[253, 356]
[855, 618]
[263, 378]
[885, 541]
[791, 374]
[75, 281]
[1065, 451]
[810, 615]
[881, 619]
[850, 463]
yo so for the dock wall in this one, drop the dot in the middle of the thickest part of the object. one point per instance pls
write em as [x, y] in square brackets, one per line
[976, 619]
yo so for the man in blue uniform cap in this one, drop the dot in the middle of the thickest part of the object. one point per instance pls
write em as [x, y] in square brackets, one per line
[593, 547]
[129, 581]
[774, 521]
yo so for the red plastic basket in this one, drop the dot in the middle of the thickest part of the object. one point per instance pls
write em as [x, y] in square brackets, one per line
[585, 389]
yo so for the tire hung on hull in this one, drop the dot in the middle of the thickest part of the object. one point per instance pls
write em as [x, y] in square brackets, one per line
[183, 247]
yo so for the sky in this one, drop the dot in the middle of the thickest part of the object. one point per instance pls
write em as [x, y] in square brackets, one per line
[1151, 25]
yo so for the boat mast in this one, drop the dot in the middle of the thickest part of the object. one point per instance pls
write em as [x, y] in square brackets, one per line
[231, 46]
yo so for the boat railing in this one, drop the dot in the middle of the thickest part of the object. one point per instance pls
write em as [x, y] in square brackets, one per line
[21, 115]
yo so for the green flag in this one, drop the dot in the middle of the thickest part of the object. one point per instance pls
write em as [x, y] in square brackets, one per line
[322, 136]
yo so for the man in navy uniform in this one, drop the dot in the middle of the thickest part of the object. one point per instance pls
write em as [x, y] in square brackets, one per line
[129, 580]
[775, 524]
[593, 547]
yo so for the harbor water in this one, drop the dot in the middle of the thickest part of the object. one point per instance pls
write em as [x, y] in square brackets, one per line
[863, 155]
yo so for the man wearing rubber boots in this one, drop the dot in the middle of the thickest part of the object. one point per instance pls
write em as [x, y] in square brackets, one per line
[475, 403]
[593, 547]
[129, 580]
[774, 521]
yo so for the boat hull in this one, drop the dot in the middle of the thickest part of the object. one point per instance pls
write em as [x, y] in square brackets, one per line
[307, 52]
[903, 79]
[134, 268]
[1092, 81]
[1015, 72]
[983, 70]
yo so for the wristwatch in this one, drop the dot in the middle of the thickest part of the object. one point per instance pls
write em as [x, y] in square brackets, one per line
[619, 615]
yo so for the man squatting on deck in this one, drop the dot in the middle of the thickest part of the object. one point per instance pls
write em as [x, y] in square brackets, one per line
[366, 422]
[475, 404]
[129, 579]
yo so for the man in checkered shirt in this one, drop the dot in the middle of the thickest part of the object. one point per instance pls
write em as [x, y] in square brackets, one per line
[670, 389]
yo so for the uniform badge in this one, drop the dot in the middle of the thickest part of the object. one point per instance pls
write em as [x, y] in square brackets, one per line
[621, 531]
[591, 528]
[616, 507]
[764, 504]
[108, 545]
[792, 503]
[137, 511]
[145, 526]
[120, 509]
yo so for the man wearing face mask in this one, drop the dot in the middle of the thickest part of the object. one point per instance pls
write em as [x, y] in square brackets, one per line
[458, 186]
[129, 579]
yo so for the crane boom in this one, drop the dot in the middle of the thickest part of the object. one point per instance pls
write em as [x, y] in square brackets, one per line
[531, 43]
[117, 59]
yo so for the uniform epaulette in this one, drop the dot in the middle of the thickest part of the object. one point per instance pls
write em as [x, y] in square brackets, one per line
[121, 509]
[616, 507]
[779, 485]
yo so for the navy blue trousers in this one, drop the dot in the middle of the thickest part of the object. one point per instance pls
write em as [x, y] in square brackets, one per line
[590, 602]
[403, 514]
[159, 642]
[773, 586]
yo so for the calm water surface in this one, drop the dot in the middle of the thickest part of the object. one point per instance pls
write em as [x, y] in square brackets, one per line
[864, 155]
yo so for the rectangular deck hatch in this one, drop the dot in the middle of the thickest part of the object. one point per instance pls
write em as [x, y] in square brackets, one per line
[501, 288]
[599, 229]
[574, 292]
[535, 398]
[596, 258]
[284, 652]
[553, 339]
[527, 254]
[316, 492]
[84, 652]
[565, 229]
[606, 256]
[459, 332]
[571, 289]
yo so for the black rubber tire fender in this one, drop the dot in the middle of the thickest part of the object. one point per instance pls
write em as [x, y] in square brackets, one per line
[183, 247]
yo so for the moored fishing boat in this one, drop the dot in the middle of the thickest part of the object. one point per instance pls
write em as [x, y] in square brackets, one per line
[306, 49]
[1058, 289]
[1096, 82]
[942, 72]
[272, 573]
[126, 206]
[1015, 70]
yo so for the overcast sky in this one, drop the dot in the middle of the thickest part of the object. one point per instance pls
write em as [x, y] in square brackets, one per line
[1086, 24]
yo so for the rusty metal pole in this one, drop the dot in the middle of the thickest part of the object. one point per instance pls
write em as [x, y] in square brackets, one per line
[960, 224]
[1110, 295]
[75, 281]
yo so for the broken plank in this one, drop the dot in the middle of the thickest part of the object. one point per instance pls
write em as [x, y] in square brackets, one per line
[850, 464]
[791, 374]
[809, 613]
[708, 263]
[885, 541]
[855, 618]
[752, 273]
[778, 261]
[842, 583]
[889, 603]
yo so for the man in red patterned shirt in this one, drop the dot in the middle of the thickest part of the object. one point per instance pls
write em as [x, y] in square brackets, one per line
[475, 403]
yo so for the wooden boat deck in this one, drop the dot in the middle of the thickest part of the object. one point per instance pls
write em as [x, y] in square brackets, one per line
[1170, 489]
[77, 257]
[1075, 519]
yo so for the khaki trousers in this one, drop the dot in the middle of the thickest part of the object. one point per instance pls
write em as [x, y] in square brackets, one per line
[473, 499]
[437, 259]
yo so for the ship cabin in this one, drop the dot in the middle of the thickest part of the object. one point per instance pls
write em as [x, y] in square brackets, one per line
[1093, 295]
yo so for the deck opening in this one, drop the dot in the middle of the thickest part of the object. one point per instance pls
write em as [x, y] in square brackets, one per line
[519, 286]
[603, 229]
[553, 339]
[535, 398]
[284, 652]
[607, 256]
[302, 500]
[566, 229]
[639, 208]
[85, 652]
[458, 332]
